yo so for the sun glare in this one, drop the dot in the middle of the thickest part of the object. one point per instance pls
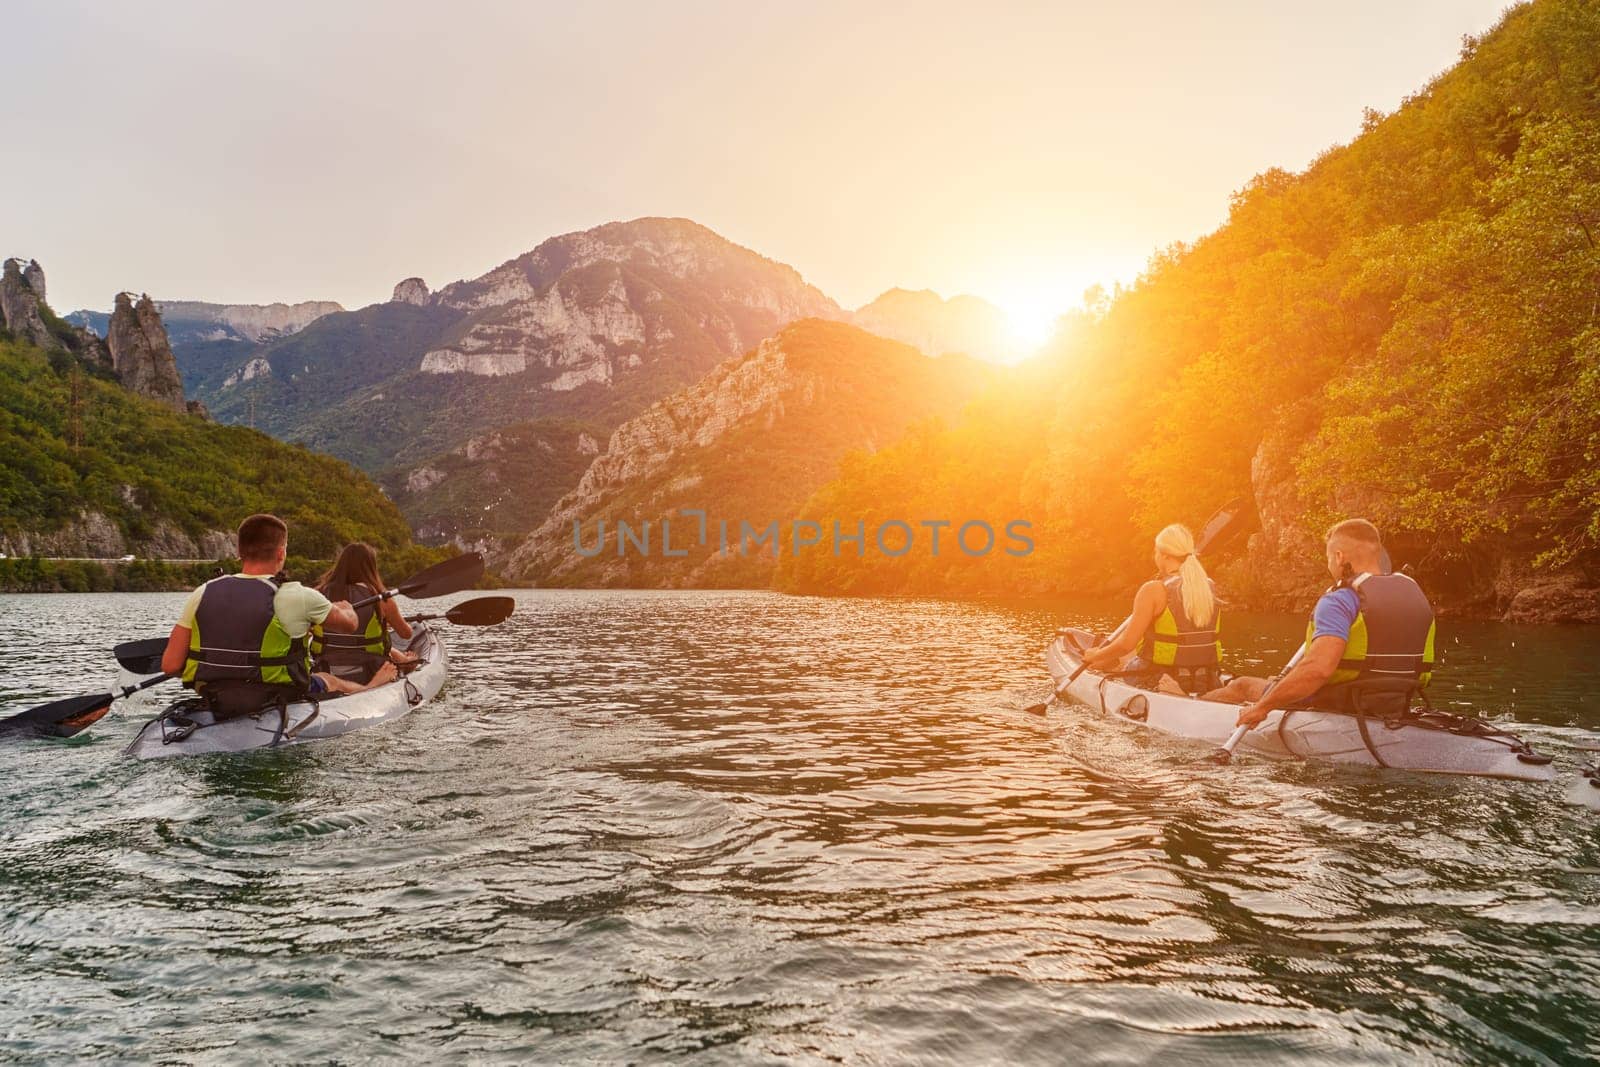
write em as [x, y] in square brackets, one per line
[1030, 320]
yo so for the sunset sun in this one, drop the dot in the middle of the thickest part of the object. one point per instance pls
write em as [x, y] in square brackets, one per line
[1030, 318]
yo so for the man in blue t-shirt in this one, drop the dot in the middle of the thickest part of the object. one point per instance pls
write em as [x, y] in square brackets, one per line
[1354, 547]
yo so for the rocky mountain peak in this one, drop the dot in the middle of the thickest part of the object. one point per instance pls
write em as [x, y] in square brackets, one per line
[33, 274]
[141, 354]
[412, 291]
[20, 303]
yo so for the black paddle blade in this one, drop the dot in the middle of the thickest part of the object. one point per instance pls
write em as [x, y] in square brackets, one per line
[482, 611]
[451, 576]
[1232, 519]
[141, 657]
[59, 718]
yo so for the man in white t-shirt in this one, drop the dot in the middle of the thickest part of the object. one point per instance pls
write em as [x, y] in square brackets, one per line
[255, 627]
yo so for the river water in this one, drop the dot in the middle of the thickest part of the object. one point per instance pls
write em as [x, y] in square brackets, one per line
[735, 827]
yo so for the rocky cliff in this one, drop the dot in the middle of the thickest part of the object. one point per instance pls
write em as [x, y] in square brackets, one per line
[748, 443]
[924, 319]
[250, 322]
[24, 312]
[1282, 567]
[140, 353]
[20, 303]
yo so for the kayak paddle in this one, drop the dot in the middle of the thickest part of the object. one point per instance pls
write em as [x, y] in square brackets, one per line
[63, 718]
[482, 611]
[1229, 519]
[141, 657]
[1224, 755]
[451, 576]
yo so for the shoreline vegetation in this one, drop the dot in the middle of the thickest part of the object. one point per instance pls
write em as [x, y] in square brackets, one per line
[33, 574]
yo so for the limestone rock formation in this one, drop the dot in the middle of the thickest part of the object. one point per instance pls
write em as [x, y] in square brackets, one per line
[24, 312]
[20, 304]
[33, 274]
[412, 291]
[250, 322]
[140, 353]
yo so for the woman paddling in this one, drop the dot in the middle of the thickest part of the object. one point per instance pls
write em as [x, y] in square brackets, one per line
[1173, 625]
[354, 577]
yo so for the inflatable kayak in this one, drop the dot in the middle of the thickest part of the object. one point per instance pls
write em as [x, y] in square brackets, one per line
[186, 728]
[1418, 740]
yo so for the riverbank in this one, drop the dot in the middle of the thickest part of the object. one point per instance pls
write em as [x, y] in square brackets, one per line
[35, 574]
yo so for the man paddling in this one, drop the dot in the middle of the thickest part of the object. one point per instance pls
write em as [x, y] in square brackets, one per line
[241, 641]
[1369, 644]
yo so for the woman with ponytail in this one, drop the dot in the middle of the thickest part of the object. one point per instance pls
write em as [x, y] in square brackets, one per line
[1174, 623]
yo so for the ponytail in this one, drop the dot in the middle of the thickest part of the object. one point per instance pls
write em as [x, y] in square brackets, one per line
[1198, 601]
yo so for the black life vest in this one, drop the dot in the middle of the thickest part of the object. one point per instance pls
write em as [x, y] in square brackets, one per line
[1391, 640]
[238, 645]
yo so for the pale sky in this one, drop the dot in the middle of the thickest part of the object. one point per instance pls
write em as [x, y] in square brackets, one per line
[325, 150]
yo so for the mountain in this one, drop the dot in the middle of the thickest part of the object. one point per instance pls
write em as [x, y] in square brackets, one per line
[212, 341]
[192, 322]
[925, 320]
[1406, 330]
[747, 443]
[579, 334]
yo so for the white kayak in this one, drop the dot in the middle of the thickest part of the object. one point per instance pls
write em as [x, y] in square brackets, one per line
[1421, 740]
[188, 729]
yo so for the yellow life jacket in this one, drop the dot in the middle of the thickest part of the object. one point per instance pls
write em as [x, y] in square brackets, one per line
[1174, 640]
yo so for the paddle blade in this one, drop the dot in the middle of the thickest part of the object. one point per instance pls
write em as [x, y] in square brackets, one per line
[451, 576]
[481, 611]
[141, 657]
[1232, 519]
[59, 718]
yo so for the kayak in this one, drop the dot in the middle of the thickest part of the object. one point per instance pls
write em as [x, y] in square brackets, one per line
[186, 728]
[1420, 740]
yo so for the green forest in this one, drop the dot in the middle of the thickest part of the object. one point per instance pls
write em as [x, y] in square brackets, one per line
[73, 440]
[1413, 317]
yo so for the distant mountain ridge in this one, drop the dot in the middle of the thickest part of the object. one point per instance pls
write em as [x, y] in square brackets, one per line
[925, 320]
[198, 320]
[575, 336]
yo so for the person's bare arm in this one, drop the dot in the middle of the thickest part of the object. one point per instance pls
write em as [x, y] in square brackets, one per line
[341, 618]
[177, 650]
[1147, 604]
[397, 622]
[1308, 676]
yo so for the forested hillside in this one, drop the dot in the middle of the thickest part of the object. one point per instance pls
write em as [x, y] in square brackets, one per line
[1407, 330]
[91, 469]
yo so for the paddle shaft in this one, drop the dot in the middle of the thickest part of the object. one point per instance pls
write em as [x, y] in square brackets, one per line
[1238, 734]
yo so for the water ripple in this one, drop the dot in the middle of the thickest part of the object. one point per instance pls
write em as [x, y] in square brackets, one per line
[736, 827]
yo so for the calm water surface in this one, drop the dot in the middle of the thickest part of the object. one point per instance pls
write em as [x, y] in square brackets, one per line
[731, 827]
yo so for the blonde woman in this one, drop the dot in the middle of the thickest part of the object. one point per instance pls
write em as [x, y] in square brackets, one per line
[1174, 623]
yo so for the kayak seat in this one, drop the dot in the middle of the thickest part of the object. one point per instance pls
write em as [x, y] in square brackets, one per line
[1377, 698]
